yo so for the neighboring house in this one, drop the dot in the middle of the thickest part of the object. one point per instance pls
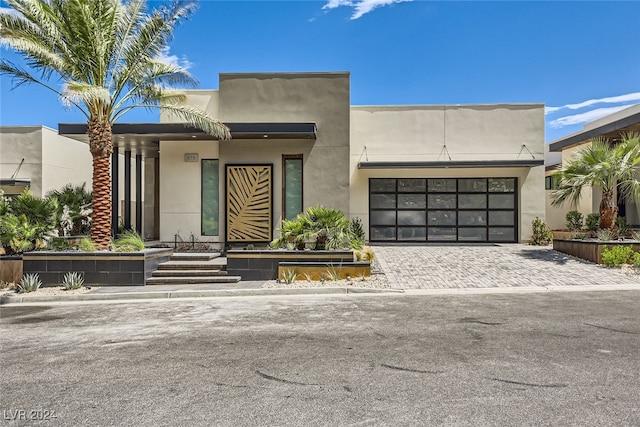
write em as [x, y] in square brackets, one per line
[610, 127]
[38, 158]
[454, 173]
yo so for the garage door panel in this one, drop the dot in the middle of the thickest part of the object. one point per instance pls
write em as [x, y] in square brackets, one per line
[443, 209]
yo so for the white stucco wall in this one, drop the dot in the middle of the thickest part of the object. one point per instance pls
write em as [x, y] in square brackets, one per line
[51, 160]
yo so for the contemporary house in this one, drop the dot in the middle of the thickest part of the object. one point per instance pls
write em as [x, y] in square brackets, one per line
[413, 173]
[611, 127]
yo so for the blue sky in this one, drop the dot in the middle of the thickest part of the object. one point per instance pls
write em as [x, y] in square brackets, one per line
[580, 58]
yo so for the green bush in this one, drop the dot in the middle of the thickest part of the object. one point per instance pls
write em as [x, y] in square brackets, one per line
[26, 223]
[542, 235]
[324, 228]
[593, 221]
[73, 209]
[574, 220]
[618, 255]
[129, 241]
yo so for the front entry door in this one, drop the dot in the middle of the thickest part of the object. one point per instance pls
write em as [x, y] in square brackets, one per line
[249, 203]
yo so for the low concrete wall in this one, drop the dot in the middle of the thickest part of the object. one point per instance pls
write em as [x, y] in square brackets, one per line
[263, 265]
[590, 250]
[98, 268]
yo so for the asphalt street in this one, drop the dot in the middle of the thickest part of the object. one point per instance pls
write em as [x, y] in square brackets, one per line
[496, 359]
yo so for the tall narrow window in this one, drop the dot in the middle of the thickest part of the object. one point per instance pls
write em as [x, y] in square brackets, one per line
[291, 185]
[210, 197]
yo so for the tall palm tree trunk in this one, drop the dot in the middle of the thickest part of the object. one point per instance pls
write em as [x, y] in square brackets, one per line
[101, 146]
[608, 211]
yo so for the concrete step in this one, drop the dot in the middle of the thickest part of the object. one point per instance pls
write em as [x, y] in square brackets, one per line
[213, 264]
[183, 273]
[191, 280]
[194, 256]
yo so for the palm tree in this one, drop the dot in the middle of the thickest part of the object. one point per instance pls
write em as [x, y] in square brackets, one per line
[606, 166]
[107, 55]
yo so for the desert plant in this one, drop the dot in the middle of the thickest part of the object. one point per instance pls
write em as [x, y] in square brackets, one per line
[574, 220]
[622, 227]
[605, 235]
[578, 236]
[325, 228]
[74, 209]
[593, 222]
[357, 233]
[542, 235]
[27, 222]
[87, 245]
[332, 273]
[129, 241]
[72, 280]
[609, 167]
[635, 235]
[289, 275]
[29, 283]
[617, 255]
[108, 55]
[635, 260]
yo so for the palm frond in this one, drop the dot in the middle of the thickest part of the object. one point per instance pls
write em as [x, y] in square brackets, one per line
[196, 117]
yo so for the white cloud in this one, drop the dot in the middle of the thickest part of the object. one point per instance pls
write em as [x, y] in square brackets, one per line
[586, 117]
[10, 11]
[608, 100]
[166, 57]
[360, 7]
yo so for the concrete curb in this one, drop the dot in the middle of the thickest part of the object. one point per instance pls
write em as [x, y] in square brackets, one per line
[18, 299]
[524, 290]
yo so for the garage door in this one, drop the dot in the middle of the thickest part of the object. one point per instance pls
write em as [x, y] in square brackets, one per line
[443, 209]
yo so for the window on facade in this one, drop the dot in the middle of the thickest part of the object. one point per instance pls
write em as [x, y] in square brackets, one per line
[210, 205]
[291, 185]
[550, 183]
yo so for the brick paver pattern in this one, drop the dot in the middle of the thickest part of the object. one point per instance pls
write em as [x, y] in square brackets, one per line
[490, 266]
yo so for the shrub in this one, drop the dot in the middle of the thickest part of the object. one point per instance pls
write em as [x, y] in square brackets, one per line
[618, 255]
[605, 235]
[73, 209]
[635, 235]
[332, 274]
[29, 283]
[623, 228]
[87, 245]
[325, 228]
[129, 241]
[26, 223]
[72, 280]
[578, 236]
[635, 259]
[593, 221]
[542, 235]
[574, 220]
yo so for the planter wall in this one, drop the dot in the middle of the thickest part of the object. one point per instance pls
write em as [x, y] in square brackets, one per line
[590, 250]
[10, 268]
[263, 265]
[319, 270]
[98, 268]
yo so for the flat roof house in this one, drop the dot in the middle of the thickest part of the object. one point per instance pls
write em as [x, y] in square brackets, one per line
[611, 127]
[423, 173]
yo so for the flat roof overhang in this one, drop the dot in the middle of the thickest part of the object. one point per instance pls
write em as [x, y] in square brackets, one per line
[144, 137]
[451, 164]
[609, 130]
[16, 182]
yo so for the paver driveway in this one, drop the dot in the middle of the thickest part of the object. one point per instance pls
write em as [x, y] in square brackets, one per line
[490, 265]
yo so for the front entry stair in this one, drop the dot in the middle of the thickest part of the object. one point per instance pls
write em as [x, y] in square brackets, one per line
[192, 268]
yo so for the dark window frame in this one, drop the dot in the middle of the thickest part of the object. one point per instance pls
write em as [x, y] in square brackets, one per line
[202, 195]
[285, 158]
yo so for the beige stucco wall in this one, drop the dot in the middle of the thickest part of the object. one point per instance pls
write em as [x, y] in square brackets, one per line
[51, 160]
[322, 98]
[180, 188]
[204, 99]
[470, 132]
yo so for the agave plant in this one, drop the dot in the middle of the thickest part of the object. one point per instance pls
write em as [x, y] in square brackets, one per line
[29, 283]
[72, 280]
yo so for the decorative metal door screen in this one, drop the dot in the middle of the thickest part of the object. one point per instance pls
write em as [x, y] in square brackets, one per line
[249, 203]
